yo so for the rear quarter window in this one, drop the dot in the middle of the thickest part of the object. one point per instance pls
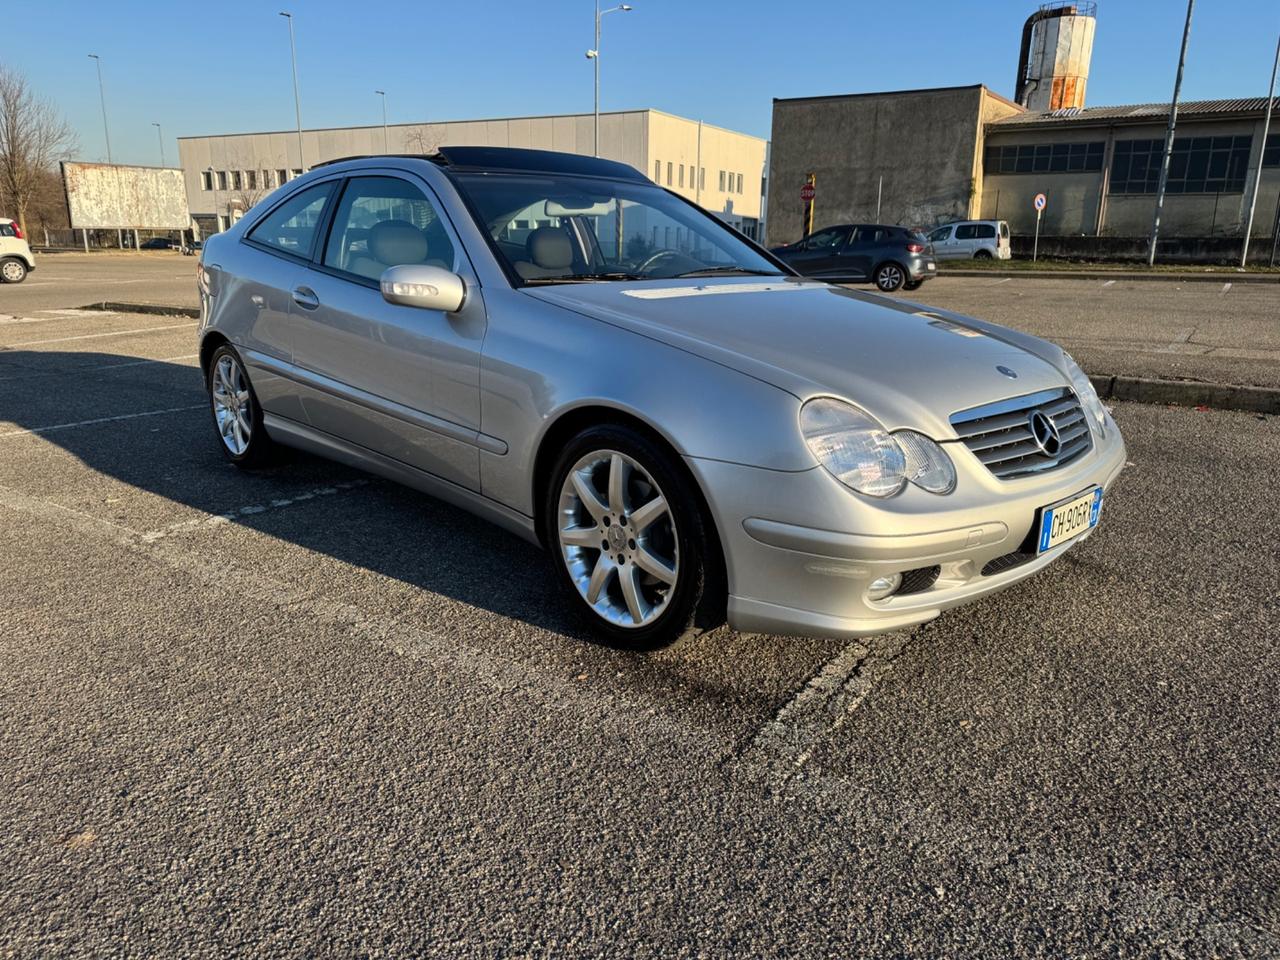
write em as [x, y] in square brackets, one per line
[984, 231]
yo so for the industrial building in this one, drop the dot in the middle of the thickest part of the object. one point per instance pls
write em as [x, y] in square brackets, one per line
[720, 169]
[927, 157]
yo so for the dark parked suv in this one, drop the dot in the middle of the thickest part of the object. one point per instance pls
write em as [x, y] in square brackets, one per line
[888, 256]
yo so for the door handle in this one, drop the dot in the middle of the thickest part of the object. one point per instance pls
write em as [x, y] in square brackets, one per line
[258, 300]
[305, 297]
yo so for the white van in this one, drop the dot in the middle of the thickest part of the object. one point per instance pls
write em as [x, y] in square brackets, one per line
[971, 240]
[16, 260]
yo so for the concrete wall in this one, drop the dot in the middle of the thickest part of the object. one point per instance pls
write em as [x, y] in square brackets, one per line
[674, 141]
[923, 143]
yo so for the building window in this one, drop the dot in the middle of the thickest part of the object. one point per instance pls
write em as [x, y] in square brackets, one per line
[722, 181]
[739, 183]
[297, 172]
[657, 171]
[206, 180]
[1045, 158]
[702, 178]
[266, 180]
[222, 179]
[1271, 152]
[1197, 165]
[282, 177]
[669, 166]
[252, 179]
[682, 176]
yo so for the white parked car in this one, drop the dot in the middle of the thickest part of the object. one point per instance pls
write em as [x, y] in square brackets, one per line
[971, 240]
[16, 260]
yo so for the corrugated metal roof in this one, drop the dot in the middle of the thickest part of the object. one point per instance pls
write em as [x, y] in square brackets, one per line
[1138, 111]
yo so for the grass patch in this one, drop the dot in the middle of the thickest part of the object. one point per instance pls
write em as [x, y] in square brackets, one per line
[1079, 266]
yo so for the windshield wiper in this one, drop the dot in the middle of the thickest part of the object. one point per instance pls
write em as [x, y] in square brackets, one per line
[726, 271]
[586, 278]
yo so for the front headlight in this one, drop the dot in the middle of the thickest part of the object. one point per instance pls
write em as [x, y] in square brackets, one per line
[1088, 397]
[865, 457]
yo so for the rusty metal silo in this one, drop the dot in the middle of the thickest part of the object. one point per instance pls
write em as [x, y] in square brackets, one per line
[1053, 64]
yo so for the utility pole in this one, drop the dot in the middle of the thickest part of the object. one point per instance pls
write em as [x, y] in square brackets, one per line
[106, 132]
[1168, 138]
[297, 103]
[1257, 178]
[594, 55]
[383, 95]
[160, 136]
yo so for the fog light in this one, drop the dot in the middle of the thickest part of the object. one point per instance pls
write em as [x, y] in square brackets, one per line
[882, 587]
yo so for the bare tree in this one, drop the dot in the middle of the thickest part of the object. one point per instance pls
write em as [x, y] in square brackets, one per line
[248, 186]
[418, 140]
[33, 137]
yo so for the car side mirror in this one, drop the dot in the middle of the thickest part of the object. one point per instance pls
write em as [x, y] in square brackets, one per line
[418, 285]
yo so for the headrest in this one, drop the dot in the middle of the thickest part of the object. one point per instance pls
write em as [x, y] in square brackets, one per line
[397, 241]
[549, 247]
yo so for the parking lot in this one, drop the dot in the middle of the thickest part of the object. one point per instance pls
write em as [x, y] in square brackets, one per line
[306, 711]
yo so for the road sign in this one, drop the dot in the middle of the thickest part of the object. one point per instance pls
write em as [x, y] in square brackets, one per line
[807, 192]
[1040, 201]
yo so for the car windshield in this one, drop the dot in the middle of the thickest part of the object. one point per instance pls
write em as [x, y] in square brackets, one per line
[562, 229]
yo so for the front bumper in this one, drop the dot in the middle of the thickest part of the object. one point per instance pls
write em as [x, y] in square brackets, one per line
[796, 566]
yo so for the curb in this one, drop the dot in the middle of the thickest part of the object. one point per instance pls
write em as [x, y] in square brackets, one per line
[1188, 393]
[159, 309]
[1232, 278]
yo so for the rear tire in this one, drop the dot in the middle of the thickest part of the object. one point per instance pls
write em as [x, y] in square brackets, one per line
[889, 277]
[982, 255]
[632, 547]
[13, 270]
[237, 415]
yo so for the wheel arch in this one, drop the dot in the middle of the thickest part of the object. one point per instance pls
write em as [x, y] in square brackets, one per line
[210, 342]
[573, 421]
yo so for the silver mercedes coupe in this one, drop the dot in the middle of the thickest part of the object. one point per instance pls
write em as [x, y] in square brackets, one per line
[693, 432]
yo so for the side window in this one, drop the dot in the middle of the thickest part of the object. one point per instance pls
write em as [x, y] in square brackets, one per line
[939, 235]
[6, 230]
[966, 231]
[984, 231]
[385, 222]
[825, 238]
[291, 227]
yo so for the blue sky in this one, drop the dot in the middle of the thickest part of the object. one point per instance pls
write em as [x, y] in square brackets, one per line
[224, 66]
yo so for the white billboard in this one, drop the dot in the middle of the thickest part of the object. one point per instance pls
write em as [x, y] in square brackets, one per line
[104, 196]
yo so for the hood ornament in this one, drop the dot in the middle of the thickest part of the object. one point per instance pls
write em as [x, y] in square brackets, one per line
[1011, 374]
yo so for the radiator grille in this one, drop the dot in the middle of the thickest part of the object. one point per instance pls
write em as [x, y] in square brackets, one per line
[1002, 435]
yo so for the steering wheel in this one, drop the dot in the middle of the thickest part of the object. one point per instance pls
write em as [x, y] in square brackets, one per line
[647, 265]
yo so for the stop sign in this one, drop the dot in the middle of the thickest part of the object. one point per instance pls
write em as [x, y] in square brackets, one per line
[807, 192]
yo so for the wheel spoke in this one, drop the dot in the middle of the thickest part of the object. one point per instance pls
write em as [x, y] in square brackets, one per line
[599, 577]
[645, 516]
[653, 565]
[580, 536]
[619, 470]
[587, 494]
[627, 576]
[243, 423]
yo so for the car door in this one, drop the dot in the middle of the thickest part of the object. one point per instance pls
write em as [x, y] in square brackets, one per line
[819, 253]
[260, 283]
[859, 253]
[399, 380]
[966, 240]
[943, 244]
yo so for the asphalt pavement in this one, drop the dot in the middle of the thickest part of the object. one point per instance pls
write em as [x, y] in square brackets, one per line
[307, 712]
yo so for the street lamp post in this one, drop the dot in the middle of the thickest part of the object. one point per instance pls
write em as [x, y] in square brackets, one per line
[297, 103]
[1257, 177]
[594, 55]
[160, 137]
[383, 95]
[106, 129]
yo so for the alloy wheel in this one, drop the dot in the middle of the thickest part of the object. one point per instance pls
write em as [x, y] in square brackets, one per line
[618, 538]
[12, 271]
[232, 404]
[889, 277]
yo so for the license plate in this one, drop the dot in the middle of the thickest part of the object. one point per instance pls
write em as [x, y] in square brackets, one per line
[1070, 518]
[930, 266]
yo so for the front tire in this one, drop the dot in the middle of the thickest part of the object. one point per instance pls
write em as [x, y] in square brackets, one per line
[237, 415]
[889, 277]
[13, 270]
[913, 285]
[630, 542]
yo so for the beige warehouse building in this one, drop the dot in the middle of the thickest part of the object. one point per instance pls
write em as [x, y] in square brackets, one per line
[722, 170]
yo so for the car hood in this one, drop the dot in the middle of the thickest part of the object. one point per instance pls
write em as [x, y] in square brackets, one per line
[907, 364]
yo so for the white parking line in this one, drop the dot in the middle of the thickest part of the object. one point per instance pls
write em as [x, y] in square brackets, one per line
[1226, 287]
[35, 431]
[94, 336]
[1108, 283]
[998, 282]
[249, 510]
